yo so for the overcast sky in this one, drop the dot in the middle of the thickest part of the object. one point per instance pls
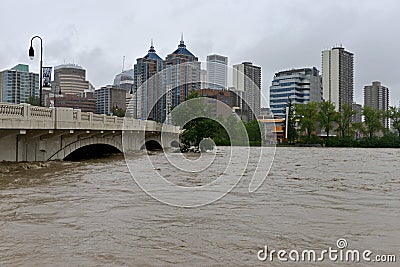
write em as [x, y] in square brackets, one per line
[276, 35]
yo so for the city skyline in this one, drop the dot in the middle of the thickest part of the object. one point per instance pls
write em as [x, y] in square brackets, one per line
[281, 41]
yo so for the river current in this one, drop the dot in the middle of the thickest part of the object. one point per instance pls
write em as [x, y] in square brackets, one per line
[92, 213]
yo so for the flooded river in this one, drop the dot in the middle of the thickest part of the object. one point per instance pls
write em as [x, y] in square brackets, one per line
[92, 213]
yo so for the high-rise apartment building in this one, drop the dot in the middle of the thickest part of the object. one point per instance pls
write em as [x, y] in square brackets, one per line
[18, 84]
[357, 108]
[217, 72]
[181, 76]
[247, 83]
[147, 89]
[300, 85]
[376, 96]
[338, 76]
[70, 78]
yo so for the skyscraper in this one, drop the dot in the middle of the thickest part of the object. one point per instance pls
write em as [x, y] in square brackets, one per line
[71, 79]
[357, 108]
[147, 87]
[217, 72]
[376, 96]
[181, 76]
[247, 83]
[338, 76]
[300, 85]
[18, 84]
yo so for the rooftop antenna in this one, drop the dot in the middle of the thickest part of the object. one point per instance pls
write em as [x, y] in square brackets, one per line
[123, 63]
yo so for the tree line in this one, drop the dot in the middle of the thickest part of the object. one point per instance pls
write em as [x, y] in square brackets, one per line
[305, 119]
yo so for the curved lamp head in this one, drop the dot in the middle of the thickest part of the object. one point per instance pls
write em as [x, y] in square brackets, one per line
[31, 53]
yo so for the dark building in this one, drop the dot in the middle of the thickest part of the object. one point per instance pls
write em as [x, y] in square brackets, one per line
[376, 96]
[227, 97]
[108, 98]
[247, 82]
[181, 76]
[147, 89]
[82, 102]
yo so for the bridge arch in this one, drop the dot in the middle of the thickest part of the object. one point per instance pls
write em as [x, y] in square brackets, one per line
[78, 144]
[152, 145]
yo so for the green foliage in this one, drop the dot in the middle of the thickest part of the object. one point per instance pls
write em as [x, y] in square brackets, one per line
[344, 121]
[33, 100]
[312, 139]
[119, 112]
[253, 131]
[394, 115]
[200, 128]
[326, 116]
[372, 121]
[335, 141]
[205, 126]
[307, 115]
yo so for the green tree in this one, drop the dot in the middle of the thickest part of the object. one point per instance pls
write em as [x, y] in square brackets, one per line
[326, 116]
[394, 115]
[33, 100]
[119, 112]
[372, 120]
[307, 115]
[344, 120]
[202, 126]
[253, 131]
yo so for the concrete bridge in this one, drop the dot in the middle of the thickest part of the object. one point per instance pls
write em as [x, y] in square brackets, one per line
[31, 133]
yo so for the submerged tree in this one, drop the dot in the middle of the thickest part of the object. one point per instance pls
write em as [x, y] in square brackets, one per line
[344, 120]
[327, 116]
[307, 115]
[372, 120]
[394, 116]
[119, 112]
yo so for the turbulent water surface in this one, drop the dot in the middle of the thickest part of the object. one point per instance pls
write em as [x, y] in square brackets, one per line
[93, 213]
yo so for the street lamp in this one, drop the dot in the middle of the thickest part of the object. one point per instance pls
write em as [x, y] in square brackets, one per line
[32, 55]
[54, 103]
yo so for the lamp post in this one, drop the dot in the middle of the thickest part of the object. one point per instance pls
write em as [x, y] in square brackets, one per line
[32, 55]
[54, 103]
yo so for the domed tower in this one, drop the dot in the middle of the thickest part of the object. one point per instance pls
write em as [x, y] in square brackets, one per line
[189, 67]
[146, 88]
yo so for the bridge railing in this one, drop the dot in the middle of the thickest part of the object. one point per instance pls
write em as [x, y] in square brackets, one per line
[10, 110]
[25, 116]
